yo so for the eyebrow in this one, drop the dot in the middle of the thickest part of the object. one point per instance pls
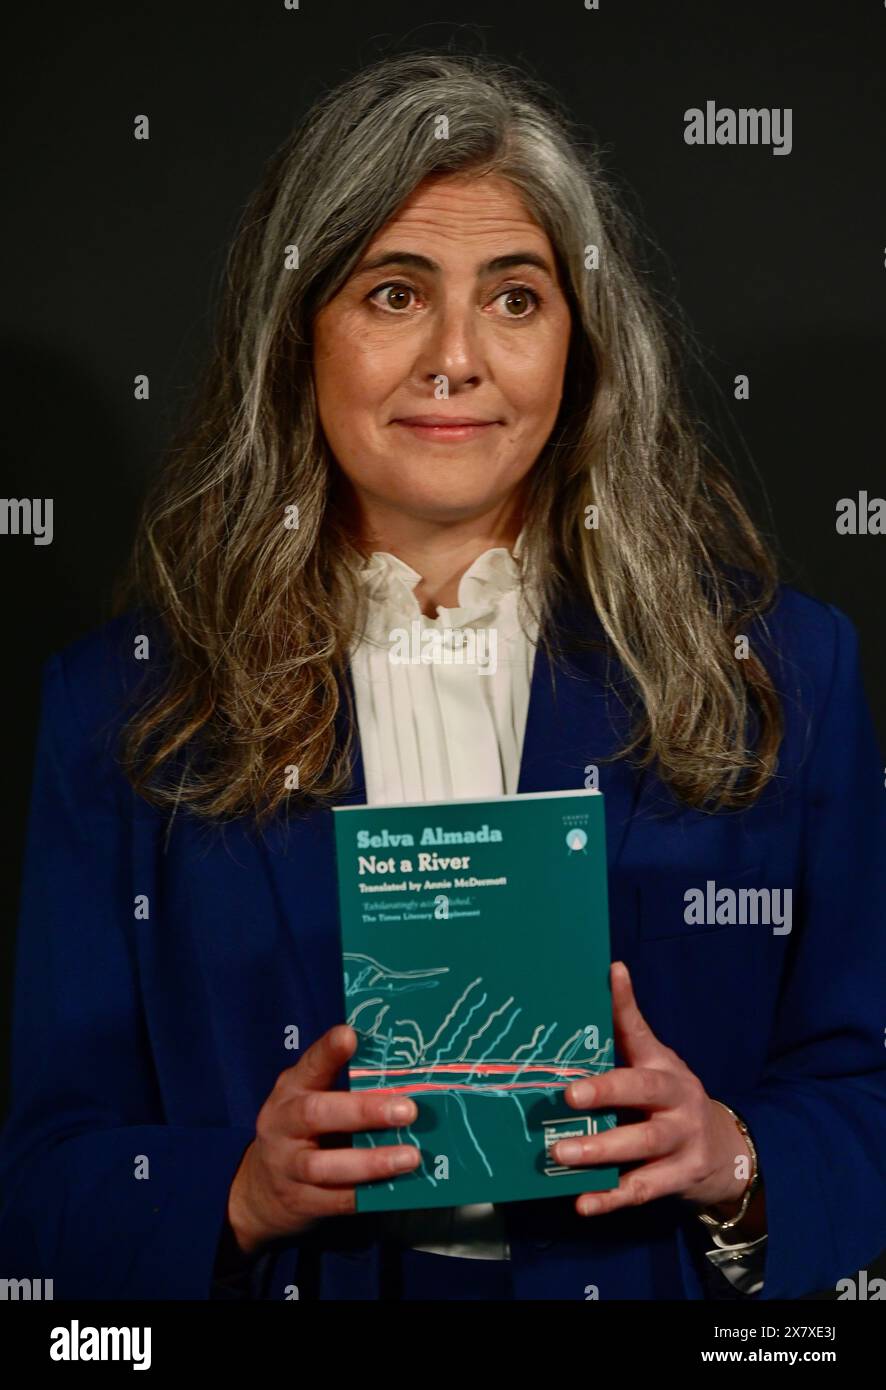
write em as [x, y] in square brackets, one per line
[418, 262]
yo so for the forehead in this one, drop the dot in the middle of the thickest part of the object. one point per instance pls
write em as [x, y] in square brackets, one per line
[463, 211]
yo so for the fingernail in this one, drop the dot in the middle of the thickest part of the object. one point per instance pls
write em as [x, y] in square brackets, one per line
[582, 1092]
[400, 1110]
[405, 1160]
[588, 1205]
[569, 1150]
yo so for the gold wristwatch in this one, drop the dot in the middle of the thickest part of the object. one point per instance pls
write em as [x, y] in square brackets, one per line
[751, 1188]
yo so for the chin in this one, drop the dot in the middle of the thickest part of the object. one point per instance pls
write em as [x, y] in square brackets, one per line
[452, 484]
[451, 505]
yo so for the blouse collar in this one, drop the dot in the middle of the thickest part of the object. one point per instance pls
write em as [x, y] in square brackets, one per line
[390, 581]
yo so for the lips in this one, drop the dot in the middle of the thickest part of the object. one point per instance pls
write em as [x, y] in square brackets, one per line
[444, 420]
[446, 428]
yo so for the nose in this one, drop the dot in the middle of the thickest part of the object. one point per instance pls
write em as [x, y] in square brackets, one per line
[452, 348]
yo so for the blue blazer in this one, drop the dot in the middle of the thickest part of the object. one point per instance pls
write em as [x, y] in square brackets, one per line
[143, 1048]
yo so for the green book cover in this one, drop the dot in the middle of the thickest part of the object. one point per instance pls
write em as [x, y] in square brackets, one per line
[475, 955]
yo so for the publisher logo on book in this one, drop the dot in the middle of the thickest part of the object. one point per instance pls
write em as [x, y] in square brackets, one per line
[576, 836]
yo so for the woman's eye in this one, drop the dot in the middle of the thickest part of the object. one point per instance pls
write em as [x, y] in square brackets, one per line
[519, 302]
[393, 298]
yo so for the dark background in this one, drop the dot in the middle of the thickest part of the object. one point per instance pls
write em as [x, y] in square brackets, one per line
[113, 249]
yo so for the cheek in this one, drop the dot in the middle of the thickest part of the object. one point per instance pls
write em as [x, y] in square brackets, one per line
[535, 384]
[355, 373]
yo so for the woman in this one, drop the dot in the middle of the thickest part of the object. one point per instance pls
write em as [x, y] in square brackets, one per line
[441, 394]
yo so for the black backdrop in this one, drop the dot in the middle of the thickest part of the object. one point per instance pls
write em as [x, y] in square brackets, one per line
[113, 249]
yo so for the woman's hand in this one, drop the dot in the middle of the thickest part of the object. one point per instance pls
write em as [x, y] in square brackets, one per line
[292, 1174]
[686, 1144]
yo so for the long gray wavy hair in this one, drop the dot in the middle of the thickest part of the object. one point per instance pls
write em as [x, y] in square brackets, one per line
[258, 616]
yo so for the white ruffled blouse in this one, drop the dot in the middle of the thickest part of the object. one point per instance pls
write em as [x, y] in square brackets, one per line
[439, 729]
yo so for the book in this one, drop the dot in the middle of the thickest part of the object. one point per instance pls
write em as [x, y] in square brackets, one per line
[475, 970]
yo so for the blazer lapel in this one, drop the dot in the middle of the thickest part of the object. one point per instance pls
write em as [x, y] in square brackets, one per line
[577, 721]
[356, 793]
